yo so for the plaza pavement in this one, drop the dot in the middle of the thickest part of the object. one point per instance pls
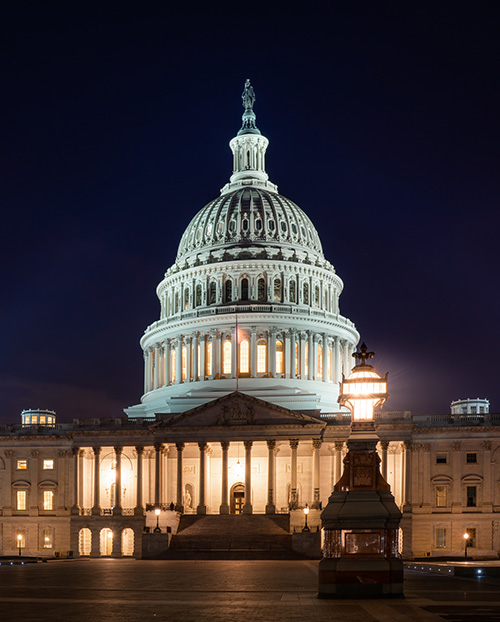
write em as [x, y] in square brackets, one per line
[247, 591]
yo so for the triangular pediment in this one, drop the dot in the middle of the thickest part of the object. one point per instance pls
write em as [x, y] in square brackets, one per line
[238, 409]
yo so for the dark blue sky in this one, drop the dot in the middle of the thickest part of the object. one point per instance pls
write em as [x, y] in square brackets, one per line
[383, 121]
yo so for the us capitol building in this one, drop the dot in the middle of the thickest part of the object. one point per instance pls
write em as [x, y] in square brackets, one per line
[239, 413]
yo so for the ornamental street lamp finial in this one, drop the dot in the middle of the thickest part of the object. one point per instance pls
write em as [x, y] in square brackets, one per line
[363, 356]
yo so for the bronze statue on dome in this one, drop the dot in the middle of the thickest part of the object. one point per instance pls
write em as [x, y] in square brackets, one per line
[248, 96]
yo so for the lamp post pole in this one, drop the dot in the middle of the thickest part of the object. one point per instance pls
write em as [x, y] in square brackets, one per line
[157, 528]
[306, 512]
[19, 542]
[466, 538]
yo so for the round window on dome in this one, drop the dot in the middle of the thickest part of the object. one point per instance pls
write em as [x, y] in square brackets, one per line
[294, 228]
[270, 224]
[283, 226]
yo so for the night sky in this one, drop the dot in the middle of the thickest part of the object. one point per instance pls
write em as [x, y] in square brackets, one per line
[383, 121]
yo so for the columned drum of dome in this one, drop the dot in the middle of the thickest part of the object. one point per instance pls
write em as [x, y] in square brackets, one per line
[250, 302]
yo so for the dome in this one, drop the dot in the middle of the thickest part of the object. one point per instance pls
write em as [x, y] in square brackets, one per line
[249, 217]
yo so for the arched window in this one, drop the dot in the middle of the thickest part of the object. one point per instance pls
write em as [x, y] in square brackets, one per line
[291, 290]
[320, 363]
[261, 357]
[172, 365]
[306, 361]
[296, 359]
[226, 357]
[244, 357]
[186, 299]
[127, 542]
[84, 541]
[279, 357]
[212, 293]
[228, 291]
[198, 296]
[261, 290]
[184, 362]
[305, 293]
[244, 289]
[208, 362]
[277, 290]
[316, 296]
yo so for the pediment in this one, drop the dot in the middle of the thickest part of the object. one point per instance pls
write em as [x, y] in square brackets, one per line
[238, 409]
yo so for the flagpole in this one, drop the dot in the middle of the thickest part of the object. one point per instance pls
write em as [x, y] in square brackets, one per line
[237, 358]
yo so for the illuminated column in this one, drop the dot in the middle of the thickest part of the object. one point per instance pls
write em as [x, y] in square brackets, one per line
[294, 503]
[383, 455]
[96, 510]
[202, 508]
[118, 481]
[224, 506]
[407, 475]
[146, 367]
[287, 355]
[302, 367]
[316, 453]
[195, 374]
[247, 508]
[253, 351]
[292, 353]
[202, 357]
[270, 507]
[81, 453]
[310, 375]
[347, 361]
[178, 360]
[339, 445]
[179, 505]
[157, 447]
[217, 355]
[156, 366]
[457, 476]
[166, 367]
[33, 506]
[139, 508]
[338, 369]
[325, 358]
[76, 507]
[426, 474]
[189, 373]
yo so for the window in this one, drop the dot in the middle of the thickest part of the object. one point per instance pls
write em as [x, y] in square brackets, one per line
[228, 291]
[305, 293]
[244, 357]
[197, 302]
[226, 357]
[209, 358]
[172, 366]
[306, 361]
[176, 310]
[441, 496]
[292, 294]
[279, 357]
[261, 290]
[261, 357]
[441, 458]
[21, 499]
[277, 290]
[48, 538]
[48, 499]
[440, 538]
[48, 465]
[184, 362]
[258, 224]
[22, 465]
[186, 299]
[212, 293]
[471, 458]
[320, 363]
[316, 296]
[244, 289]
[471, 496]
[296, 359]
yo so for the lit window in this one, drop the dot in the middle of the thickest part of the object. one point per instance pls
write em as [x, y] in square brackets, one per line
[244, 357]
[306, 360]
[279, 357]
[22, 465]
[21, 498]
[48, 465]
[471, 496]
[320, 362]
[441, 458]
[198, 363]
[440, 538]
[33, 419]
[184, 362]
[43, 419]
[471, 458]
[172, 366]
[261, 357]
[48, 539]
[226, 357]
[209, 358]
[48, 500]
[296, 359]
[441, 496]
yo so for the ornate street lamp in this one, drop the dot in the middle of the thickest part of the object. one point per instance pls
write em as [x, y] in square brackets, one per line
[361, 520]
[157, 528]
[19, 543]
[306, 512]
[466, 538]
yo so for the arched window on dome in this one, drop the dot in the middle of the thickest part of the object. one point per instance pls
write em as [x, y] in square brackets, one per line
[228, 291]
[292, 291]
[212, 293]
[197, 299]
[184, 362]
[186, 299]
[277, 290]
[305, 293]
[296, 363]
[319, 375]
[244, 367]
[316, 296]
[261, 356]
[208, 362]
[261, 290]
[244, 289]
[330, 366]
[172, 365]
[279, 357]
[306, 361]
[226, 357]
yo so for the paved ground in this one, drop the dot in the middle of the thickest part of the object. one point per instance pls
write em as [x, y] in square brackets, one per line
[129, 590]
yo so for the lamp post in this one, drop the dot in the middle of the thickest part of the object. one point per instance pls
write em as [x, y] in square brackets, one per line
[306, 512]
[19, 543]
[157, 528]
[466, 538]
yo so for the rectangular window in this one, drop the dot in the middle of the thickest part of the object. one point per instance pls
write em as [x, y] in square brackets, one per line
[441, 458]
[48, 465]
[306, 361]
[471, 458]
[441, 496]
[244, 357]
[184, 362]
[440, 538]
[21, 499]
[48, 500]
[22, 465]
[471, 496]
[48, 538]
[261, 358]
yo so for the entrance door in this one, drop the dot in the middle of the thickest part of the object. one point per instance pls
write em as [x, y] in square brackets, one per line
[237, 499]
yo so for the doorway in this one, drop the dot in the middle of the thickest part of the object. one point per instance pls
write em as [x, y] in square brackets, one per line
[237, 498]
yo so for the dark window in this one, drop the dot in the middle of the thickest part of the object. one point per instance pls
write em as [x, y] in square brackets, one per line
[270, 224]
[305, 294]
[291, 290]
[212, 293]
[258, 224]
[471, 496]
[244, 289]
[198, 296]
[441, 458]
[229, 291]
[261, 290]
[471, 458]
[277, 290]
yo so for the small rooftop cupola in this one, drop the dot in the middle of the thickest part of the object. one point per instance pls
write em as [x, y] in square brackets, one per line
[249, 150]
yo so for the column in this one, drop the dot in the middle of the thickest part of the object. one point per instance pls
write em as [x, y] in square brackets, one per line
[156, 366]
[339, 446]
[195, 356]
[288, 359]
[139, 507]
[271, 506]
[407, 476]
[302, 366]
[118, 510]
[253, 351]
[294, 503]
[178, 360]
[383, 455]
[310, 375]
[63, 479]
[33, 497]
[202, 507]
[166, 359]
[426, 475]
[158, 447]
[316, 504]
[179, 505]
[217, 355]
[337, 376]
[146, 367]
[325, 358]
[247, 508]
[81, 453]
[347, 362]
[96, 510]
[76, 476]
[189, 372]
[488, 489]
[271, 346]
[202, 356]
[292, 354]
[234, 352]
[224, 506]
[456, 458]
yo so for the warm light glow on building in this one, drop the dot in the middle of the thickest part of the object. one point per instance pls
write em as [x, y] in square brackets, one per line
[21, 497]
[226, 357]
[209, 358]
[48, 500]
[261, 357]
[244, 357]
[279, 357]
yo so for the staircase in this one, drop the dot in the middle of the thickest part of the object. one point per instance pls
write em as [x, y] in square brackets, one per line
[233, 536]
